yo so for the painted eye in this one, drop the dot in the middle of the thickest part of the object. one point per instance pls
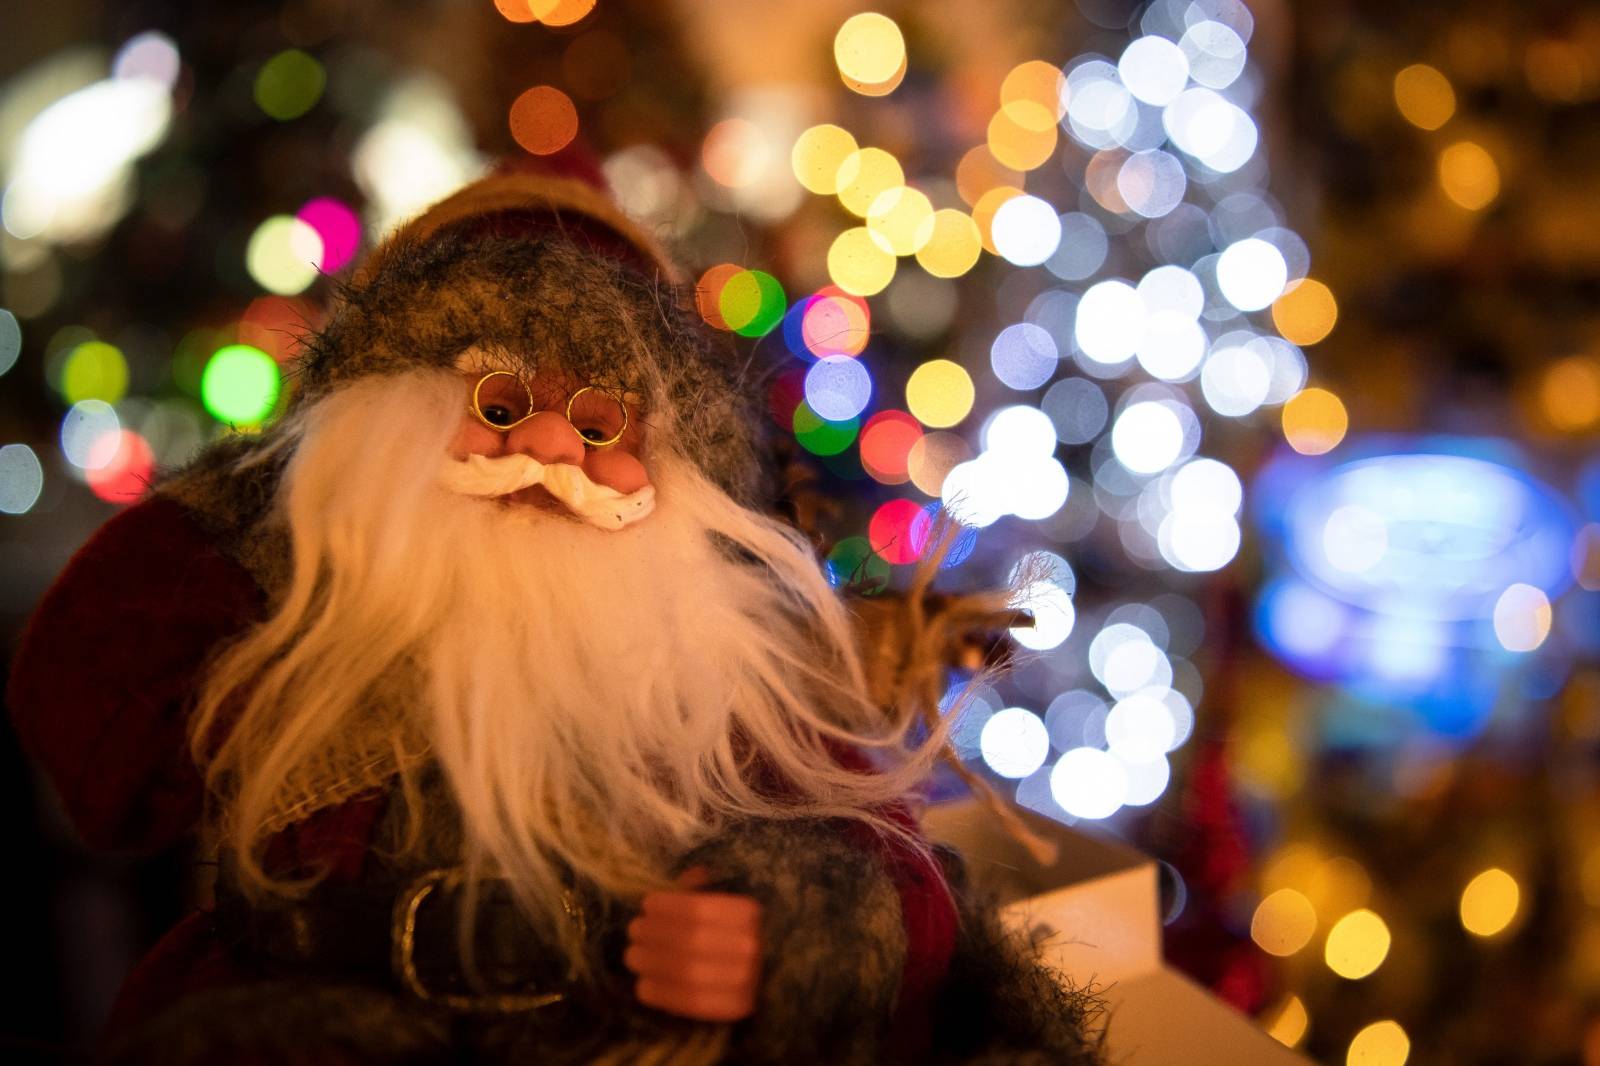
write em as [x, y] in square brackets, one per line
[593, 434]
[498, 414]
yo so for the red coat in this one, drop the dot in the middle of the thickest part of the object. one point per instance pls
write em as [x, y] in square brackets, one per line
[103, 684]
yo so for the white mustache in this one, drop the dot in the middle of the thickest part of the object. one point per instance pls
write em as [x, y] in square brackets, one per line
[599, 505]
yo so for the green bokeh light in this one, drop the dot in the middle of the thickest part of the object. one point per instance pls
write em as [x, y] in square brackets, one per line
[240, 385]
[289, 84]
[853, 564]
[752, 302]
[819, 436]
[94, 370]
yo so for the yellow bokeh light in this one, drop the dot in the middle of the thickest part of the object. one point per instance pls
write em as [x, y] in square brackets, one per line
[1283, 922]
[901, 220]
[1570, 393]
[1489, 902]
[858, 265]
[979, 171]
[1306, 312]
[1357, 944]
[939, 393]
[1424, 96]
[283, 254]
[1039, 83]
[1468, 175]
[1314, 421]
[865, 175]
[953, 245]
[877, 88]
[984, 210]
[869, 48]
[1288, 1026]
[932, 458]
[1022, 135]
[1379, 1044]
[1341, 884]
[818, 156]
[560, 12]
[1294, 866]
[95, 371]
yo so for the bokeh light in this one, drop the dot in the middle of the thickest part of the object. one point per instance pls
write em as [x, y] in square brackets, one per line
[560, 12]
[1314, 421]
[901, 220]
[818, 159]
[1147, 437]
[94, 371]
[1023, 356]
[240, 385]
[120, 467]
[838, 387]
[10, 340]
[708, 293]
[932, 457]
[1306, 312]
[1077, 408]
[869, 50]
[1089, 783]
[83, 426]
[889, 531]
[1489, 902]
[1026, 230]
[818, 435]
[289, 84]
[865, 175]
[1569, 392]
[1021, 136]
[1424, 96]
[1014, 742]
[1468, 175]
[337, 226]
[735, 154]
[150, 55]
[953, 244]
[544, 120]
[979, 172]
[1154, 69]
[1251, 273]
[939, 393]
[1380, 1044]
[831, 322]
[1289, 1026]
[1522, 617]
[21, 479]
[1357, 944]
[853, 563]
[283, 254]
[887, 439]
[1283, 923]
[751, 303]
[858, 264]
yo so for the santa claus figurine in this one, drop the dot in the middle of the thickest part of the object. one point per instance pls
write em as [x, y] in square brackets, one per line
[519, 730]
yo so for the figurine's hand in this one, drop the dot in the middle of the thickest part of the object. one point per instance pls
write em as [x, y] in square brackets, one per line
[697, 954]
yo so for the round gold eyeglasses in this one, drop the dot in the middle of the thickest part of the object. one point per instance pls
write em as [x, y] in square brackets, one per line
[502, 400]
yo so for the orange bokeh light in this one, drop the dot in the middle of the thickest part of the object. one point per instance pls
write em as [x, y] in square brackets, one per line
[544, 120]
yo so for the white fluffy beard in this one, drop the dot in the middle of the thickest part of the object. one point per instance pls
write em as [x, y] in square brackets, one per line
[599, 702]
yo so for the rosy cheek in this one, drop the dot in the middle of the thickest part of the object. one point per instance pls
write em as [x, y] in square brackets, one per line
[475, 438]
[617, 469]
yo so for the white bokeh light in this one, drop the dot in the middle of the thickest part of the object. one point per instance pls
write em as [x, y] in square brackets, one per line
[1110, 322]
[1053, 616]
[1251, 273]
[1146, 781]
[1023, 356]
[973, 493]
[1020, 430]
[1151, 182]
[1154, 69]
[1089, 783]
[1522, 618]
[1026, 230]
[1174, 289]
[1215, 53]
[1206, 483]
[1199, 540]
[1039, 488]
[85, 423]
[1147, 437]
[1014, 742]
[1140, 728]
[1172, 346]
[1235, 380]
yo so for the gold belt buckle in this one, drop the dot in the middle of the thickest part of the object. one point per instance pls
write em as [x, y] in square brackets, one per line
[403, 937]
